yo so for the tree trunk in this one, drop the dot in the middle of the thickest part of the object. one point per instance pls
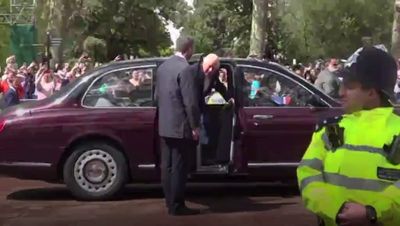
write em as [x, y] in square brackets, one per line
[396, 30]
[258, 28]
[60, 12]
[53, 26]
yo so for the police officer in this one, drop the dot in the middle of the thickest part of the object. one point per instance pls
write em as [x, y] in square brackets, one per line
[350, 173]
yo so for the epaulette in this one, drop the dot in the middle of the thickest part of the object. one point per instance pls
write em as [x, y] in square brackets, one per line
[328, 121]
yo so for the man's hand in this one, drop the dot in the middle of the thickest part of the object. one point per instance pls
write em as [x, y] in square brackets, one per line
[41, 69]
[353, 214]
[196, 134]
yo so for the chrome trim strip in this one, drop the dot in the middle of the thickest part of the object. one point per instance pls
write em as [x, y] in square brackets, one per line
[232, 146]
[109, 72]
[279, 73]
[269, 164]
[147, 166]
[26, 164]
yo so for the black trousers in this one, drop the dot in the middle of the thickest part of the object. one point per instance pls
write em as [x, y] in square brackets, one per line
[225, 136]
[175, 159]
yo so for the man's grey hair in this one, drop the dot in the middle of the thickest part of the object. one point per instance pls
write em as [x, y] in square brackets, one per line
[184, 43]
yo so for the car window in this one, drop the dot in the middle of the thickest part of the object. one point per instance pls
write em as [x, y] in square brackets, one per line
[265, 88]
[124, 88]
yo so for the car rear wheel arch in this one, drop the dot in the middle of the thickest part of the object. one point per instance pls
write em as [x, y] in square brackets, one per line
[85, 140]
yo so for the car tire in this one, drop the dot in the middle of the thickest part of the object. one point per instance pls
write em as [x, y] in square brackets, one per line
[95, 172]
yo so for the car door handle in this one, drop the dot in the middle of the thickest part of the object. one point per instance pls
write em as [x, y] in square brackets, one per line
[263, 117]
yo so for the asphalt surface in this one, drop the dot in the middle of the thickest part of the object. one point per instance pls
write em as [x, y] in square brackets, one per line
[32, 203]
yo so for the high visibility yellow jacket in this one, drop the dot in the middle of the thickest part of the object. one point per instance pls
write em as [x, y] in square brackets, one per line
[358, 170]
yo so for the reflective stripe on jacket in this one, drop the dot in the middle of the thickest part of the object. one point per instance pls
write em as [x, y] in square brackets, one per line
[357, 171]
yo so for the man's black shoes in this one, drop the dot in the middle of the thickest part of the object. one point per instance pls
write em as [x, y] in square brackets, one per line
[184, 211]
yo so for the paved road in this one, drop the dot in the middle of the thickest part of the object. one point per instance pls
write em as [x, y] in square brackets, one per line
[31, 203]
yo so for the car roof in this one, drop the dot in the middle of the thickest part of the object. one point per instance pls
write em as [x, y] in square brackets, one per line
[159, 60]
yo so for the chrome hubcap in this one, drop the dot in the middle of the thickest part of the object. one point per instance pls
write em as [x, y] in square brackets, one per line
[95, 171]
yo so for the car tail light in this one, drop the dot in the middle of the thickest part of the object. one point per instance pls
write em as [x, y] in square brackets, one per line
[2, 124]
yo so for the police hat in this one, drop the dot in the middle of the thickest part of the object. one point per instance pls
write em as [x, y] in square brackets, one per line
[374, 68]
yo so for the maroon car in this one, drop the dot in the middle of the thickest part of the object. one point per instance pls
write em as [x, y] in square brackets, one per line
[100, 131]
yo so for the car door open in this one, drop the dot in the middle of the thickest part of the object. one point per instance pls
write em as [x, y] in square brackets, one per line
[214, 152]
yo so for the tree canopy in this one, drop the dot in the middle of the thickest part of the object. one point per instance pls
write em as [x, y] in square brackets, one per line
[335, 28]
[131, 27]
[302, 29]
[218, 25]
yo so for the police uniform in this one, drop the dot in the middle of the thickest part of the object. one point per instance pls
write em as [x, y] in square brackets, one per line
[356, 157]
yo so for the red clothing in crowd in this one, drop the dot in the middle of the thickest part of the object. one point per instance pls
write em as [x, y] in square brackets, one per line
[5, 86]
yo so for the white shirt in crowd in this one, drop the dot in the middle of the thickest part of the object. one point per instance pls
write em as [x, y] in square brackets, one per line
[396, 87]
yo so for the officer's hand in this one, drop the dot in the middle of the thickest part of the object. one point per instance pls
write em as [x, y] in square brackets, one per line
[353, 214]
[196, 134]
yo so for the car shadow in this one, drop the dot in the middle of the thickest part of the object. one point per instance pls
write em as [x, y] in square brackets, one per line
[228, 198]
[236, 204]
[136, 192]
[42, 194]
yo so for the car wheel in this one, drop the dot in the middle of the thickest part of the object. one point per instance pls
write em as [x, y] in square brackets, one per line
[95, 172]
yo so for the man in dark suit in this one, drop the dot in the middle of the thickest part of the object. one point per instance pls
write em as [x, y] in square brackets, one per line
[178, 124]
[11, 97]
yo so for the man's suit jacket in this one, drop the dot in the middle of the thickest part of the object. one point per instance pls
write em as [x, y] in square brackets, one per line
[177, 92]
[11, 98]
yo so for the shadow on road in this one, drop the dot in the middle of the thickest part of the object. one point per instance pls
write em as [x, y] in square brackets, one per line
[194, 191]
[236, 204]
[42, 194]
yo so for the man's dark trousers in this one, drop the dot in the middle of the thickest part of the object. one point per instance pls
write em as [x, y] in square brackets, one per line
[175, 154]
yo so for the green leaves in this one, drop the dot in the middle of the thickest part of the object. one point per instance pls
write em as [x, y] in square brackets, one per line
[220, 24]
[335, 28]
[301, 29]
[132, 27]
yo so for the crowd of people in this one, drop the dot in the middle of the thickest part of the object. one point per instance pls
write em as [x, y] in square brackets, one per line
[311, 71]
[327, 75]
[38, 81]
